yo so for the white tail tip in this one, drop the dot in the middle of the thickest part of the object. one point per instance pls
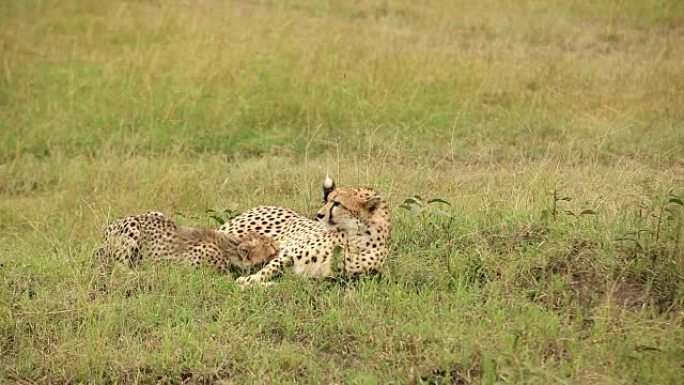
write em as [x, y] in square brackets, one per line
[328, 183]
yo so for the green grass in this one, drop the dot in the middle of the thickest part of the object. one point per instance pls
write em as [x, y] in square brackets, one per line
[520, 114]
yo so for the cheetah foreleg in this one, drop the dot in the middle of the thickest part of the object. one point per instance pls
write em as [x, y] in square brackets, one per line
[269, 271]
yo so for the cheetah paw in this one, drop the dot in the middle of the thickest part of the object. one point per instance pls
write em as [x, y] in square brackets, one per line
[248, 282]
[243, 282]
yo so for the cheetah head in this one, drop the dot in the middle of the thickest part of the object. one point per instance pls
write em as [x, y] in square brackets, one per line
[256, 250]
[349, 209]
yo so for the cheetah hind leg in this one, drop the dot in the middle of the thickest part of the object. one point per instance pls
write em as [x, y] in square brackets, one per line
[134, 256]
[101, 270]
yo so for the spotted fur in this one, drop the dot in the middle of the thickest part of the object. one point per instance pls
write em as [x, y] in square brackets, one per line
[355, 220]
[159, 238]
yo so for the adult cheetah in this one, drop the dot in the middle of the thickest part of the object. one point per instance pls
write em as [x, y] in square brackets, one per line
[154, 235]
[353, 219]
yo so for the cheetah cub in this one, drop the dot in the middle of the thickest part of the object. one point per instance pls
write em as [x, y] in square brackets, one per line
[161, 239]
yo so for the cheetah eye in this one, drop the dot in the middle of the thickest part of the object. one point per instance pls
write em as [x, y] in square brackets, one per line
[336, 203]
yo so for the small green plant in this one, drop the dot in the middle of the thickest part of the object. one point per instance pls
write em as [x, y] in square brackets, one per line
[418, 207]
[434, 224]
[222, 216]
[658, 226]
[556, 208]
[336, 263]
[653, 249]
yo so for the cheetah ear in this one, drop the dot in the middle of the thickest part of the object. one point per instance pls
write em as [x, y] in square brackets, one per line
[372, 203]
[328, 187]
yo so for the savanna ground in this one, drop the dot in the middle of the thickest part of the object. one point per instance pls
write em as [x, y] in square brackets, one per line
[555, 130]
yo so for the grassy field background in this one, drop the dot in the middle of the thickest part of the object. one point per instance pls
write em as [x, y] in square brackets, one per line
[555, 129]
